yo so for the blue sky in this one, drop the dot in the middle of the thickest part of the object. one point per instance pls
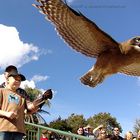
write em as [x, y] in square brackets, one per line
[30, 42]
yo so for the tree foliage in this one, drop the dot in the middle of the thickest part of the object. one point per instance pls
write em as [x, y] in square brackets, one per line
[75, 121]
[137, 126]
[60, 124]
[32, 93]
[106, 119]
[36, 117]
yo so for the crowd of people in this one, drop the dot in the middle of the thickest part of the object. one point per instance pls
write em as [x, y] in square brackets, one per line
[100, 133]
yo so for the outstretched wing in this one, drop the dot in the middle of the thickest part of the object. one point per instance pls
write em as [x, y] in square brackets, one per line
[132, 69]
[78, 31]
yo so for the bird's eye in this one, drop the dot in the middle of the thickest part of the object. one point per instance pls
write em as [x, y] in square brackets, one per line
[137, 39]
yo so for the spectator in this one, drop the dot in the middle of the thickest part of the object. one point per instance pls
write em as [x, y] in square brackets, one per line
[88, 132]
[54, 136]
[96, 131]
[80, 131]
[103, 135]
[138, 136]
[44, 135]
[128, 136]
[116, 134]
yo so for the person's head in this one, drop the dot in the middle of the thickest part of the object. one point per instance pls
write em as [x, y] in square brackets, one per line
[103, 133]
[88, 129]
[138, 134]
[8, 69]
[80, 131]
[129, 135]
[44, 133]
[14, 80]
[116, 131]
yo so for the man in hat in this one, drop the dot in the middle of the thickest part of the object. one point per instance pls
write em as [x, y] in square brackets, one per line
[38, 102]
[12, 106]
[6, 72]
[13, 69]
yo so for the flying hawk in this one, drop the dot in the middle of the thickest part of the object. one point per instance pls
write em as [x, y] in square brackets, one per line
[86, 37]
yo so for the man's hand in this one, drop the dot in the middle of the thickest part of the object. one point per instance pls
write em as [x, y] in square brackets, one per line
[37, 104]
[40, 101]
[47, 94]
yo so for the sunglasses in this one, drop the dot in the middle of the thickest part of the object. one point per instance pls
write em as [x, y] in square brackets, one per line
[116, 130]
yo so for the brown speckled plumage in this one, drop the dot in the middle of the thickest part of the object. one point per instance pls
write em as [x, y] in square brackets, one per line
[86, 37]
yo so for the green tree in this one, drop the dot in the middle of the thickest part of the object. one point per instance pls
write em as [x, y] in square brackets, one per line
[106, 119]
[75, 121]
[32, 93]
[60, 124]
[36, 117]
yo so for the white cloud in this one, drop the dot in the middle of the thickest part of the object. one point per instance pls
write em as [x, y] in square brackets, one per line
[2, 78]
[39, 78]
[13, 50]
[30, 84]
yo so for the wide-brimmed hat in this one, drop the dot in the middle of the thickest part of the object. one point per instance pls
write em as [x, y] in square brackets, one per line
[15, 73]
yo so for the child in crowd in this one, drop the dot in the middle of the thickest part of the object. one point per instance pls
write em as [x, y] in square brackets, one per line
[44, 135]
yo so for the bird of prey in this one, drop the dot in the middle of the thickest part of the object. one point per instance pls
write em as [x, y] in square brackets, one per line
[86, 37]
